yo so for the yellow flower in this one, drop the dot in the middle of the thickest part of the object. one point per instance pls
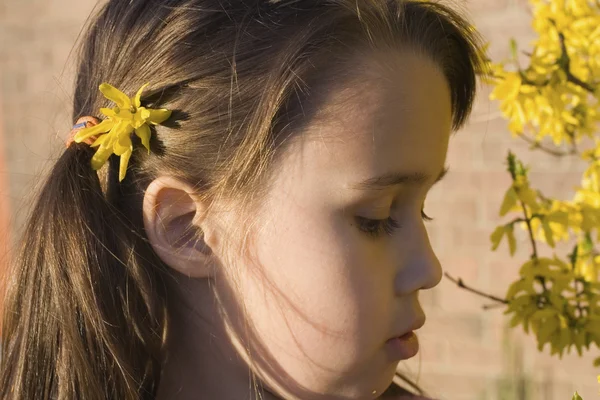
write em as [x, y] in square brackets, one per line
[114, 133]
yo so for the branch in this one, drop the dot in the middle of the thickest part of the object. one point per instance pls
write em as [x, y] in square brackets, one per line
[491, 306]
[459, 282]
[530, 230]
[567, 65]
[537, 145]
[532, 239]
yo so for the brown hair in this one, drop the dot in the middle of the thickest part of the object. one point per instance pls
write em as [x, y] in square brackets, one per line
[85, 309]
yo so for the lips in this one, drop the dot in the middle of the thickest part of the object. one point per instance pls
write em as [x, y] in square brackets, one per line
[406, 335]
[403, 347]
[417, 324]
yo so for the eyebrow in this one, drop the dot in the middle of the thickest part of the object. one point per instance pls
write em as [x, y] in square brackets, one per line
[397, 178]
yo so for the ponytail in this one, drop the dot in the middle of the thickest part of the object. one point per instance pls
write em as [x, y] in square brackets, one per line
[84, 314]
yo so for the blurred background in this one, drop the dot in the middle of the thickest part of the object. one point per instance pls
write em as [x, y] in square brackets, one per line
[467, 353]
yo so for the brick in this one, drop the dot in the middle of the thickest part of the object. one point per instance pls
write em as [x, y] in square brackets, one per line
[460, 152]
[453, 299]
[433, 352]
[465, 237]
[479, 6]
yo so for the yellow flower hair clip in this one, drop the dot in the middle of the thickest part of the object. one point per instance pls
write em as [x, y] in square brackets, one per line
[113, 134]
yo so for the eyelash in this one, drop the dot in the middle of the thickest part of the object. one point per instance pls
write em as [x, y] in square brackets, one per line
[376, 227]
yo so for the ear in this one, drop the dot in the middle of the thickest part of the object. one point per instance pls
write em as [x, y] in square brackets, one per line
[177, 227]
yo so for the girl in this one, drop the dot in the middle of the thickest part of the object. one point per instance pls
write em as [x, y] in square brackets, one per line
[269, 242]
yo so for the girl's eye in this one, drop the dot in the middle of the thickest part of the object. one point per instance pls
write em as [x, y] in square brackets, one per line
[425, 217]
[376, 227]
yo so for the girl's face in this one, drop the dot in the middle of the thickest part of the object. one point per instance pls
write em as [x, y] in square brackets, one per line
[338, 264]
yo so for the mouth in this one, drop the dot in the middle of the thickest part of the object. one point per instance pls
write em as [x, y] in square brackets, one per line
[403, 347]
[405, 344]
[416, 325]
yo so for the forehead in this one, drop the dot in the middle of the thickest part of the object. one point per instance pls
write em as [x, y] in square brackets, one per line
[395, 116]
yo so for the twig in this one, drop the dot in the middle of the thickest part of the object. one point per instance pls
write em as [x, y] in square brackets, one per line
[537, 145]
[459, 282]
[534, 256]
[567, 66]
[530, 229]
[491, 306]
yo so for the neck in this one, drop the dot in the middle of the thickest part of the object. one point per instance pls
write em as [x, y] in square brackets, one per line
[199, 359]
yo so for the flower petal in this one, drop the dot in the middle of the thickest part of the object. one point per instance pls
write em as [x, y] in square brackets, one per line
[138, 118]
[101, 156]
[109, 112]
[99, 141]
[86, 133]
[122, 145]
[137, 101]
[114, 94]
[124, 114]
[144, 113]
[123, 164]
[143, 132]
[158, 116]
[123, 138]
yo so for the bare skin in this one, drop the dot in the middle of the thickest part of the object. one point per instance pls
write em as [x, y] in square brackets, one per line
[320, 296]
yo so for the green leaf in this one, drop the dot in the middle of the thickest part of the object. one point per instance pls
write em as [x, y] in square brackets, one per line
[510, 200]
[496, 237]
[512, 242]
[515, 288]
[513, 48]
[516, 320]
[576, 396]
[558, 217]
[511, 161]
[549, 235]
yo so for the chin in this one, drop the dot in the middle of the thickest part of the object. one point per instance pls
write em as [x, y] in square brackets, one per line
[375, 383]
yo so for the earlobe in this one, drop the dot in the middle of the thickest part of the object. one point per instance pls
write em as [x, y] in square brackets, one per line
[177, 227]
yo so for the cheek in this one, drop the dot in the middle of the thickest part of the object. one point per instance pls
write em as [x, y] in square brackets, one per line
[315, 286]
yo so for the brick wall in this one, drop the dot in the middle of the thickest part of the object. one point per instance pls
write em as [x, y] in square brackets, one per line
[467, 353]
[4, 208]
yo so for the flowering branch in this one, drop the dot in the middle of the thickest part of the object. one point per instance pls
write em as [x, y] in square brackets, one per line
[459, 282]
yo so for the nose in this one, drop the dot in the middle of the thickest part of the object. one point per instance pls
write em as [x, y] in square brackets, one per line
[422, 268]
